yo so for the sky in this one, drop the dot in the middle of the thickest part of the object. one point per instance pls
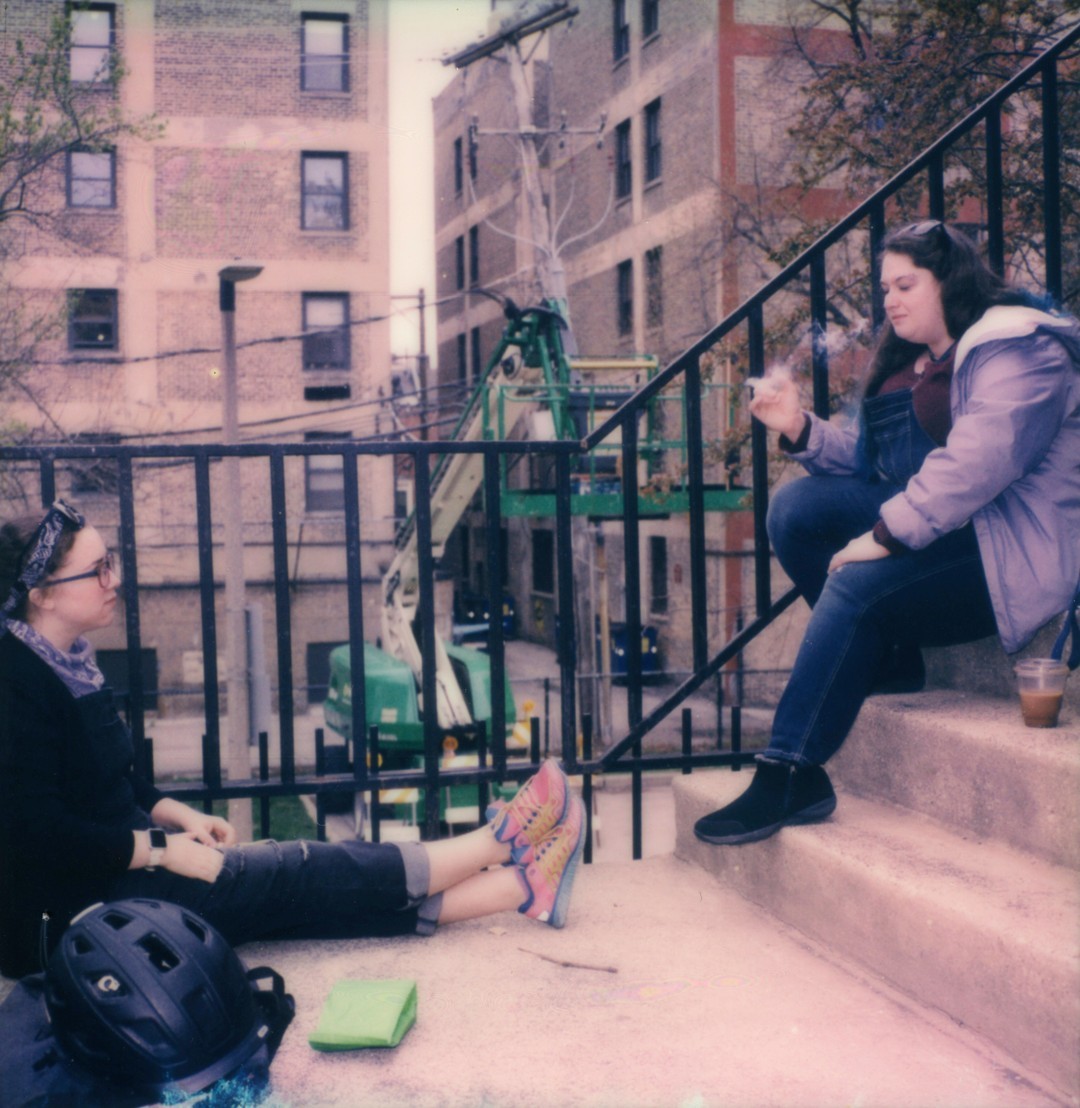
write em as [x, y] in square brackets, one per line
[421, 32]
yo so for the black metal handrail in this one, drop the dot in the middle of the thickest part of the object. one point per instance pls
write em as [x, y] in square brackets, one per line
[687, 366]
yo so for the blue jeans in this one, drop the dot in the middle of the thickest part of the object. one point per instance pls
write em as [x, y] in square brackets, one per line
[300, 889]
[936, 596]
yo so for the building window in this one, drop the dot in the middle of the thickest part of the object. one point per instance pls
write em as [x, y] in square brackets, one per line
[459, 262]
[477, 361]
[654, 286]
[324, 53]
[326, 330]
[654, 162]
[474, 255]
[402, 500]
[658, 575]
[462, 359]
[324, 189]
[621, 30]
[543, 561]
[324, 474]
[625, 296]
[650, 18]
[318, 670]
[92, 319]
[93, 35]
[459, 167]
[623, 177]
[91, 179]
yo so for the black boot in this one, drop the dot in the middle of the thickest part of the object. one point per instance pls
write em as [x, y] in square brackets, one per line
[780, 793]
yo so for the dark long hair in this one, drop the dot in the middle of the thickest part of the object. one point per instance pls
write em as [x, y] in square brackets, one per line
[16, 537]
[968, 288]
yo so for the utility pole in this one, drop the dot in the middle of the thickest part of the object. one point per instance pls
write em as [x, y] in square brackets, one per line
[540, 234]
[239, 738]
[534, 19]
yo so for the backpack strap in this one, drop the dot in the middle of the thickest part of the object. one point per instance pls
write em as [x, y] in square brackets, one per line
[277, 1005]
[1069, 628]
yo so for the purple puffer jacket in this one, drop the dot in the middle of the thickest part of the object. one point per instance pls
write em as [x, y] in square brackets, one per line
[1011, 465]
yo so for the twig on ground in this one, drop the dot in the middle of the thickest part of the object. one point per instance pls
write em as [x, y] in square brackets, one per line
[569, 965]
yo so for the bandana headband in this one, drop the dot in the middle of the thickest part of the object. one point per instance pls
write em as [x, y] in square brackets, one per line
[42, 546]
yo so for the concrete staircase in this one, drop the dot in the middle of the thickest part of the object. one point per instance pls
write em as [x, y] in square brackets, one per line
[951, 867]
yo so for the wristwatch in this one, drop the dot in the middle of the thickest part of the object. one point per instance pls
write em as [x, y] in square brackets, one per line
[158, 843]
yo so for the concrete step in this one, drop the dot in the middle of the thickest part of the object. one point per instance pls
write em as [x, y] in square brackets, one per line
[969, 762]
[983, 667]
[977, 929]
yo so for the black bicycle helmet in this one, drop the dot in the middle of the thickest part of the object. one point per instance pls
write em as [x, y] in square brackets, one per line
[149, 995]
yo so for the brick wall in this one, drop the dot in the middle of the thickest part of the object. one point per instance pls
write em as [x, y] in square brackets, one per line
[247, 203]
[255, 45]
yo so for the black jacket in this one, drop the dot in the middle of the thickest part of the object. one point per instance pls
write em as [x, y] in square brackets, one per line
[69, 800]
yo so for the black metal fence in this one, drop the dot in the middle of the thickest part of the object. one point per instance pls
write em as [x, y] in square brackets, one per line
[363, 773]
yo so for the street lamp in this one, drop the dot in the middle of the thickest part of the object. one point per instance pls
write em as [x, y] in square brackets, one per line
[239, 761]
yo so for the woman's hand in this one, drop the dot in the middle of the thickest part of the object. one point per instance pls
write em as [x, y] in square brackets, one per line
[183, 854]
[206, 829]
[210, 830]
[776, 403]
[865, 548]
[189, 858]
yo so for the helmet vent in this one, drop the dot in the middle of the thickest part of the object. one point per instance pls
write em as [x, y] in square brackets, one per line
[196, 928]
[150, 1037]
[82, 945]
[162, 957]
[116, 920]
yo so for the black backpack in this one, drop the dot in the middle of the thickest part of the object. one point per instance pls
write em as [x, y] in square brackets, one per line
[34, 1073]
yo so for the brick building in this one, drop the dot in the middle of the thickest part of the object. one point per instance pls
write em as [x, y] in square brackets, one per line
[695, 102]
[272, 148]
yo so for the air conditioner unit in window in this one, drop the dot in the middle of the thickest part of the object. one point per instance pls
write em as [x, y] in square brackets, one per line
[323, 351]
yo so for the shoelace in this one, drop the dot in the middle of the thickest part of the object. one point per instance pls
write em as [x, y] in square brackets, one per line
[553, 852]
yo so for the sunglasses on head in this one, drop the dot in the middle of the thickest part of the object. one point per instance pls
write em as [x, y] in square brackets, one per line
[929, 227]
[104, 571]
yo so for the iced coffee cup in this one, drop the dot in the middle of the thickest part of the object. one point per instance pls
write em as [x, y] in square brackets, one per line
[1041, 682]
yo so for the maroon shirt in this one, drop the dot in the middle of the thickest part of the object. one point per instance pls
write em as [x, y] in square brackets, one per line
[929, 394]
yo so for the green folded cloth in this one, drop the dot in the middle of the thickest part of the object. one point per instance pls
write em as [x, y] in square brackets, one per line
[365, 1013]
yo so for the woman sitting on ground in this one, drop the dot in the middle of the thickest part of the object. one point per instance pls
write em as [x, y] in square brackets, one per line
[78, 825]
[951, 512]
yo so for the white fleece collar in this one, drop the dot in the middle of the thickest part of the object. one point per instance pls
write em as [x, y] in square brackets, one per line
[1004, 321]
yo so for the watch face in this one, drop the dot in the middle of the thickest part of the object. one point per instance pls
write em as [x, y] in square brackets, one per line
[157, 839]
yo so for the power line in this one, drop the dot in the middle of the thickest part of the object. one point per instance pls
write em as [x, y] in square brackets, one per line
[299, 336]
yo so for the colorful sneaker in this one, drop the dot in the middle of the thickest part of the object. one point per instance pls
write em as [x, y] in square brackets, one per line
[549, 875]
[533, 812]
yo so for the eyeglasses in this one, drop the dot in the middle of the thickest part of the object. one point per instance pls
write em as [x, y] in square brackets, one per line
[104, 571]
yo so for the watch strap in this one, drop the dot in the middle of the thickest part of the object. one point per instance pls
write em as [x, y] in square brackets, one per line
[158, 843]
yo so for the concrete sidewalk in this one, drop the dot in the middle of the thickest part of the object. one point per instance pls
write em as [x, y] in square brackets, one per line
[664, 989]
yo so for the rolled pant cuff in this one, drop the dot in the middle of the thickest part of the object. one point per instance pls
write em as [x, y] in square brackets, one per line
[414, 857]
[427, 915]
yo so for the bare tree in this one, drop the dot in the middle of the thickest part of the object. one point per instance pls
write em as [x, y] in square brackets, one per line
[874, 83]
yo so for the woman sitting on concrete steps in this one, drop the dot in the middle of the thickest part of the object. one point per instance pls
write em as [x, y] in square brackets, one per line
[951, 512]
[78, 825]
